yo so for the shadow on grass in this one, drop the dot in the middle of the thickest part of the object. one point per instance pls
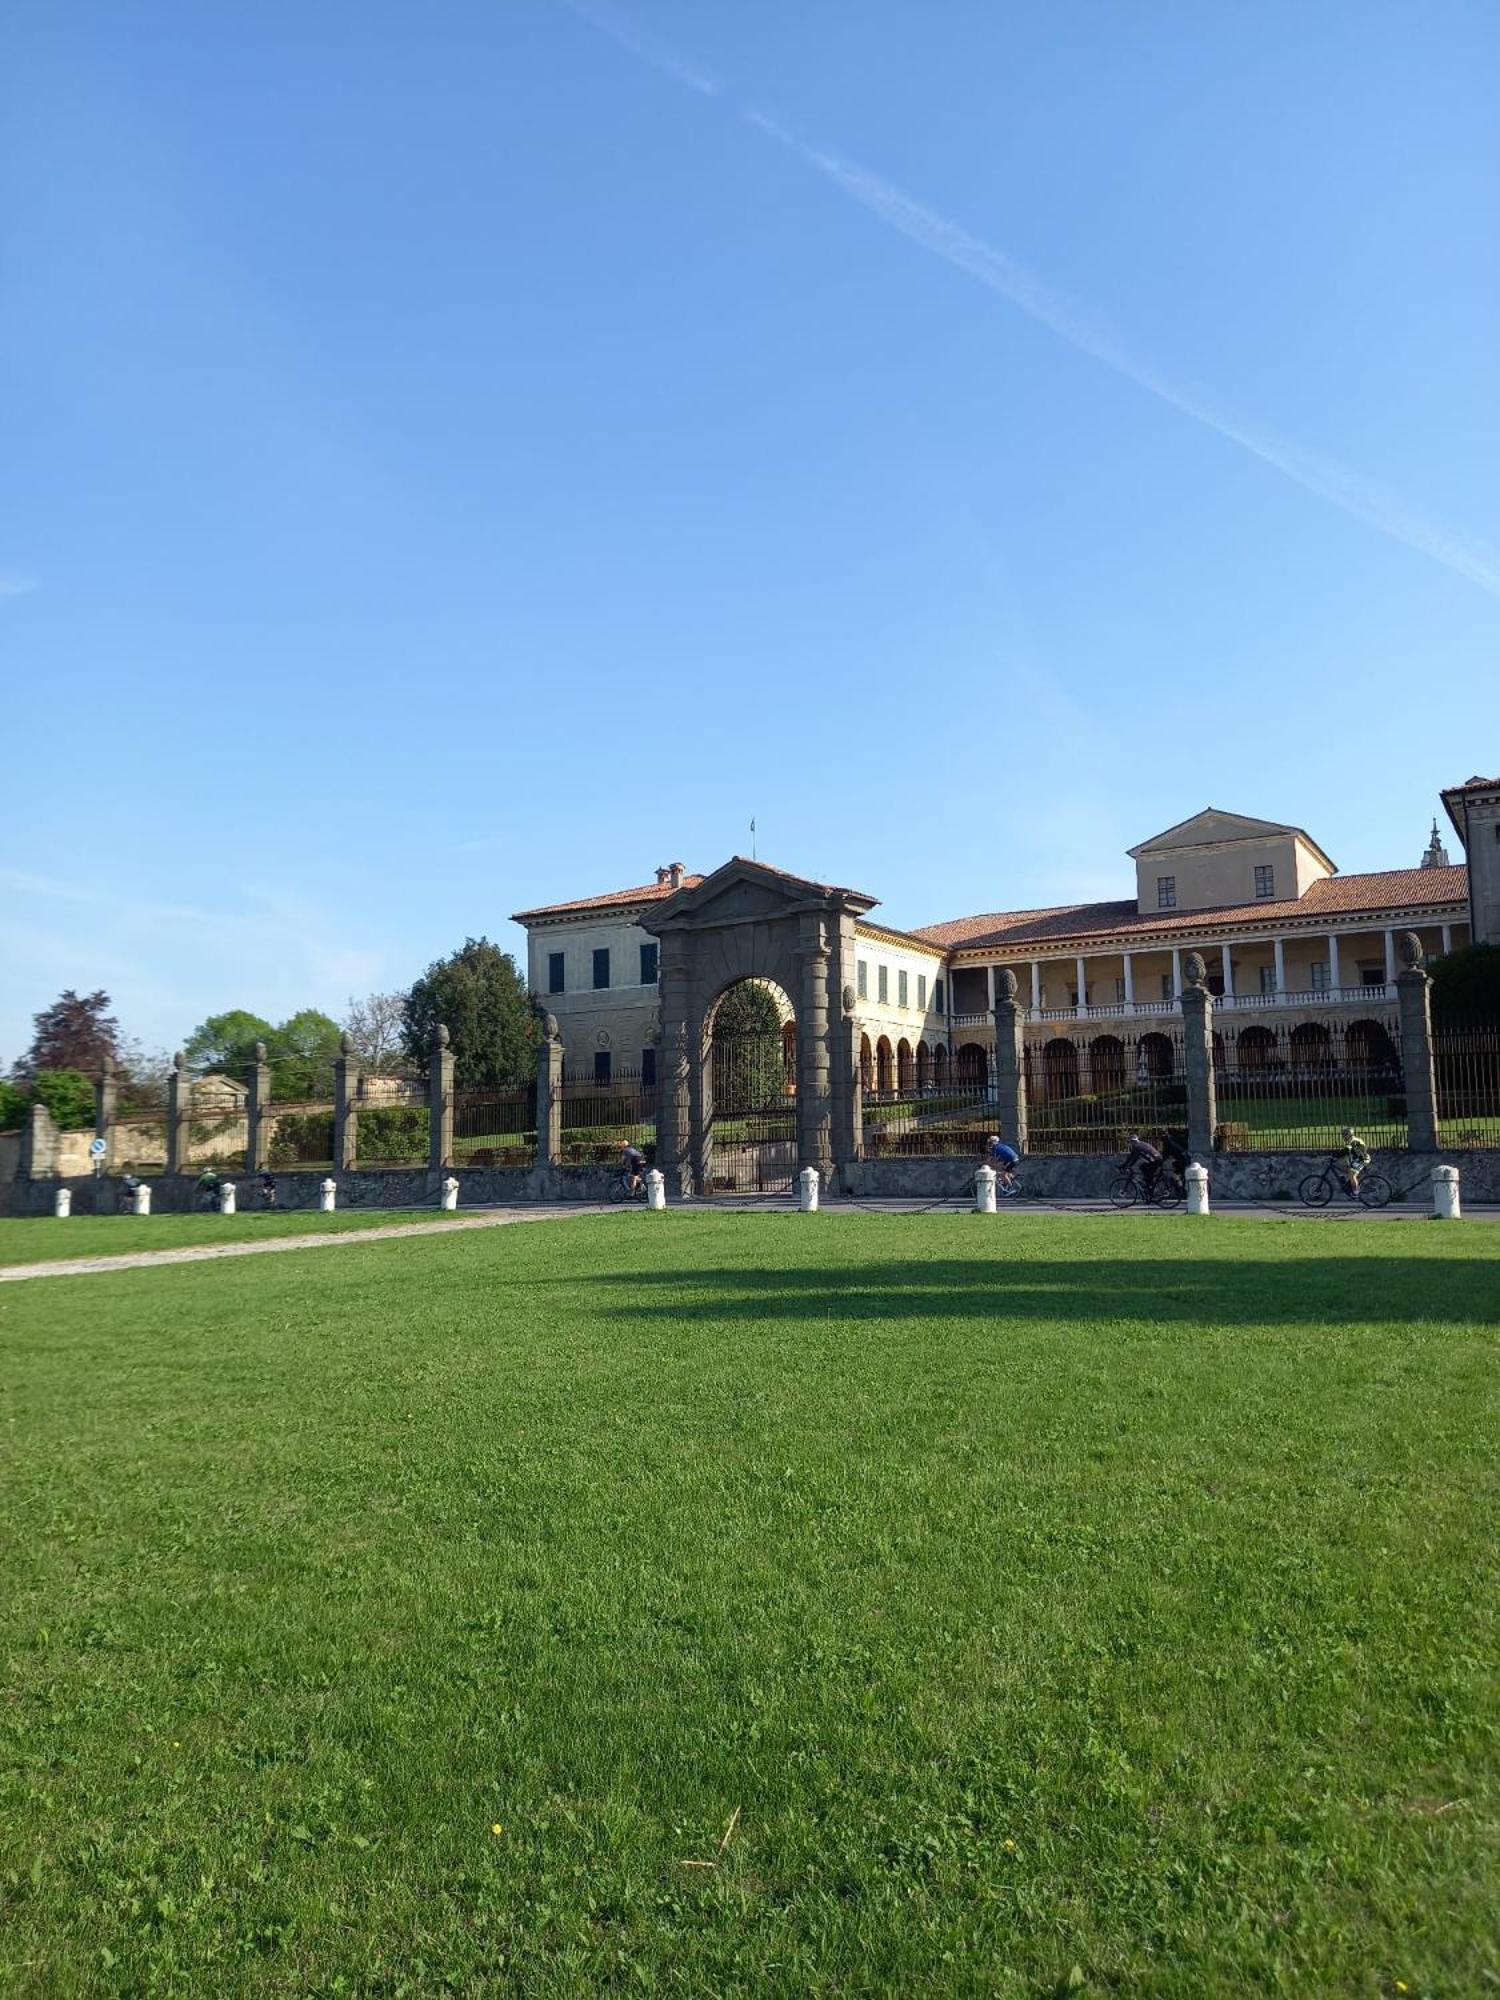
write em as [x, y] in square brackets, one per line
[1240, 1291]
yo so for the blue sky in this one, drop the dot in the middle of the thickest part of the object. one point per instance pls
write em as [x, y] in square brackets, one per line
[460, 457]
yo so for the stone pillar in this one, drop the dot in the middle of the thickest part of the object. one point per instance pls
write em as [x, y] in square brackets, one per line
[1081, 980]
[1176, 970]
[1129, 982]
[814, 1097]
[1278, 946]
[1228, 964]
[549, 1110]
[106, 1091]
[345, 1107]
[1198, 1057]
[440, 1101]
[1335, 970]
[179, 1116]
[258, 1128]
[1010, 1064]
[38, 1145]
[1414, 1002]
[1390, 959]
[1036, 986]
[673, 1102]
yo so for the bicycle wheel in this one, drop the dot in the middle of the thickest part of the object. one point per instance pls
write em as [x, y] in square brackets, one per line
[618, 1190]
[1126, 1191]
[1374, 1190]
[1316, 1191]
[1168, 1193]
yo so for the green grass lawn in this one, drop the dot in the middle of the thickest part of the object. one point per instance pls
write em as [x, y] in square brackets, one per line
[1086, 1605]
[38, 1239]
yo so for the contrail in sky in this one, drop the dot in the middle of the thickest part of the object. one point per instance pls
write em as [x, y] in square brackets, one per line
[1365, 499]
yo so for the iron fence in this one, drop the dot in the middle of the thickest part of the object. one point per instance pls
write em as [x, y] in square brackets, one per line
[947, 1121]
[1466, 1065]
[1295, 1091]
[601, 1114]
[1091, 1096]
[495, 1126]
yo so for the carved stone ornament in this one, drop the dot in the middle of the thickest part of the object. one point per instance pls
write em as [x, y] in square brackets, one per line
[346, 1047]
[848, 997]
[1409, 950]
[1005, 984]
[550, 1028]
[1194, 971]
[440, 1034]
[178, 1061]
[260, 1052]
[601, 1039]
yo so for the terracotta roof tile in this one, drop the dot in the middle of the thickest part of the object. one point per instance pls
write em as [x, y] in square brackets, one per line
[1334, 895]
[612, 899]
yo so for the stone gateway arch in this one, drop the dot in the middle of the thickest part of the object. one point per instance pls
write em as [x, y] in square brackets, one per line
[748, 921]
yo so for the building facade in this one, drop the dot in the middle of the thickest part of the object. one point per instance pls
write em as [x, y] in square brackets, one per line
[1299, 956]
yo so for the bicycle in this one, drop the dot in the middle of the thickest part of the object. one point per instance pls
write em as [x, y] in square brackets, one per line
[1317, 1190]
[621, 1190]
[1131, 1186]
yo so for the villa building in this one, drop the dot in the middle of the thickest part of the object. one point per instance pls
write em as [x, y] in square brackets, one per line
[1297, 953]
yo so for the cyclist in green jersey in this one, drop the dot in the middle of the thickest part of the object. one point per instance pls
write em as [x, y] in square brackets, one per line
[1356, 1158]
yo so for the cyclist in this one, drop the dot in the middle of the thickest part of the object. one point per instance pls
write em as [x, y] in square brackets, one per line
[632, 1165]
[208, 1188]
[1005, 1159]
[268, 1189]
[1145, 1160]
[1355, 1158]
[125, 1199]
[1175, 1156]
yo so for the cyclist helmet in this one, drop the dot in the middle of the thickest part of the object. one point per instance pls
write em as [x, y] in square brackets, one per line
[1348, 1131]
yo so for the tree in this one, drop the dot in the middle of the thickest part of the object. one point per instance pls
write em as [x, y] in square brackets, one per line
[76, 1032]
[300, 1051]
[374, 1026]
[69, 1095]
[1466, 987]
[225, 1043]
[14, 1104]
[492, 1021]
[749, 1071]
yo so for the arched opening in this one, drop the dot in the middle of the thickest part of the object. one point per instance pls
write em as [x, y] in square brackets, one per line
[1368, 1047]
[1256, 1048]
[924, 1067]
[1060, 1068]
[751, 1087]
[1154, 1059]
[904, 1073]
[939, 1067]
[885, 1067]
[1312, 1047]
[1107, 1063]
[972, 1063]
[866, 1064]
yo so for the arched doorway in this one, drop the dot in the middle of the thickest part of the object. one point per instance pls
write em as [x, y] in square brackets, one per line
[1312, 1048]
[751, 1094]
[972, 1063]
[1060, 1069]
[924, 1067]
[1154, 1059]
[905, 1076]
[1107, 1064]
[866, 1064]
[1368, 1048]
[1256, 1048]
[885, 1067]
[939, 1066]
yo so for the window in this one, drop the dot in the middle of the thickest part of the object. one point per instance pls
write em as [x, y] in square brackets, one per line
[648, 1069]
[601, 1066]
[1372, 975]
[1166, 892]
[902, 990]
[862, 974]
[922, 991]
[882, 984]
[937, 995]
[1319, 971]
[648, 964]
[601, 968]
[1268, 979]
[1265, 880]
[557, 977]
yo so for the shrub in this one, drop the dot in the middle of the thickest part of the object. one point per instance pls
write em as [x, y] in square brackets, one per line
[393, 1132]
[302, 1138]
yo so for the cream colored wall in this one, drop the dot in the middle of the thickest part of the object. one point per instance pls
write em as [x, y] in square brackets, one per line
[1222, 872]
[912, 1023]
[621, 1017]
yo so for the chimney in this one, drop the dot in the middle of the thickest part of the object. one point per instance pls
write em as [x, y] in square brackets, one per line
[661, 876]
[675, 873]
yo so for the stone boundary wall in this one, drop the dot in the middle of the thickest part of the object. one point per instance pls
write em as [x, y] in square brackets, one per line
[392, 1187]
[1232, 1176]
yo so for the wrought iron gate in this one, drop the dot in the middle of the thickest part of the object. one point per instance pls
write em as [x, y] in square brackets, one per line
[752, 1128]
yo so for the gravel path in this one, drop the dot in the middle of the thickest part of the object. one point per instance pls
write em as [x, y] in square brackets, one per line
[201, 1253]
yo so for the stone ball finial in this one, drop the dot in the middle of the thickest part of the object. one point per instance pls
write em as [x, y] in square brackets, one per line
[549, 1027]
[1409, 949]
[848, 997]
[1194, 971]
[260, 1052]
[346, 1047]
[1005, 984]
[179, 1061]
[440, 1034]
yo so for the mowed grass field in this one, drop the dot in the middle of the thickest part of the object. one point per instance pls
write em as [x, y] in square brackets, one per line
[42, 1239]
[1039, 1606]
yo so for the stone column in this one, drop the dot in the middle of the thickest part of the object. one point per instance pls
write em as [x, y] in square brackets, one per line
[1198, 1057]
[1010, 1064]
[549, 1110]
[106, 1090]
[1335, 970]
[346, 1108]
[179, 1116]
[1176, 970]
[814, 1097]
[1129, 982]
[1390, 958]
[673, 1104]
[849, 1137]
[1278, 947]
[440, 1101]
[1414, 1000]
[1081, 977]
[258, 1128]
[38, 1160]
[1228, 965]
[1036, 986]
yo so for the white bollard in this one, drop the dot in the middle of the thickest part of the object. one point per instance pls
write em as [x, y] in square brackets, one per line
[450, 1193]
[143, 1198]
[1445, 1194]
[328, 1195]
[807, 1190]
[226, 1197]
[1197, 1189]
[984, 1191]
[656, 1189]
[62, 1203]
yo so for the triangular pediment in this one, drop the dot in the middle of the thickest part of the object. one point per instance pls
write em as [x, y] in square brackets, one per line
[1210, 825]
[746, 891]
